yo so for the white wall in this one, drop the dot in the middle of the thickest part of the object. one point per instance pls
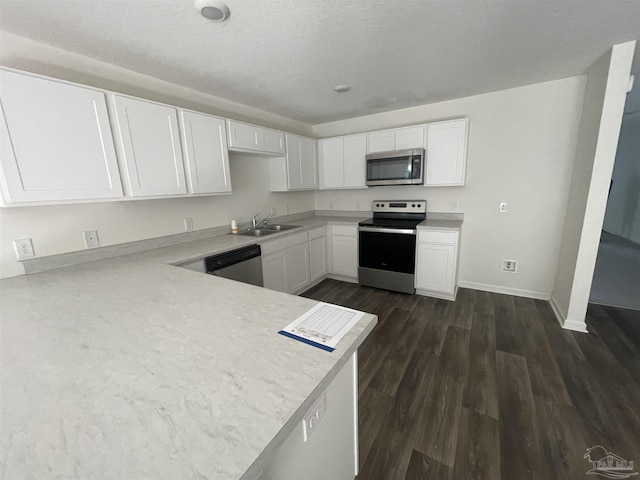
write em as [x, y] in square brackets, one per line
[623, 207]
[521, 149]
[604, 99]
[58, 229]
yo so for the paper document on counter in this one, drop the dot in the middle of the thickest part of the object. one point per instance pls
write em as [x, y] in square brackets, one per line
[323, 326]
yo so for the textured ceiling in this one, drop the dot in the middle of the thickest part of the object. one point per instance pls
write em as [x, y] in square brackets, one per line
[285, 56]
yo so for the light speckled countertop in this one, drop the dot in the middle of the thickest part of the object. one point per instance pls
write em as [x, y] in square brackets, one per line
[441, 223]
[134, 368]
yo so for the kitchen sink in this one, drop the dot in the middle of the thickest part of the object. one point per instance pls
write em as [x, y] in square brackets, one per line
[266, 230]
[257, 232]
[279, 228]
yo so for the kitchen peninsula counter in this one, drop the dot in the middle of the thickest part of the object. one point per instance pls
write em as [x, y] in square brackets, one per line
[134, 368]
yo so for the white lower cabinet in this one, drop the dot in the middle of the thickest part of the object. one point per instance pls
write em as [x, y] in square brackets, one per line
[296, 263]
[318, 253]
[285, 263]
[344, 250]
[437, 263]
[274, 272]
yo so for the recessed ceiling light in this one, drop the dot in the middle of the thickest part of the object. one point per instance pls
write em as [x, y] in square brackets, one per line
[213, 9]
[342, 88]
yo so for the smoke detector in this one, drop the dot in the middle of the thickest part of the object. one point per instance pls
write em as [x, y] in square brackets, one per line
[342, 88]
[215, 10]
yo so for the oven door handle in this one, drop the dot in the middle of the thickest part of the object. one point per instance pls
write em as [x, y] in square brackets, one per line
[405, 231]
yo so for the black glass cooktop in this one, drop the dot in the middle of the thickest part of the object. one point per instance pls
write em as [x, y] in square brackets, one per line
[391, 222]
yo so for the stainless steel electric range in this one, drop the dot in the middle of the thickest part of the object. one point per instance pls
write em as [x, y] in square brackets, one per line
[387, 244]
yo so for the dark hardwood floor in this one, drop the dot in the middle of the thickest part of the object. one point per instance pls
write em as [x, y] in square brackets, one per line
[490, 386]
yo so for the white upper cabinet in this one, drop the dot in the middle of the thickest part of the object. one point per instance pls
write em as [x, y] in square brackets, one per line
[342, 162]
[150, 146]
[383, 141]
[395, 139]
[55, 140]
[409, 137]
[331, 162]
[446, 153]
[205, 152]
[244, 137]
[301, 163]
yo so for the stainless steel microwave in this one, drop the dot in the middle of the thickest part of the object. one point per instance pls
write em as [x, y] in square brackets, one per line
[401, 167]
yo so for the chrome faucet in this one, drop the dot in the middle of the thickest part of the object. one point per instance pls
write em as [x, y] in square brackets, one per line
[255, 222]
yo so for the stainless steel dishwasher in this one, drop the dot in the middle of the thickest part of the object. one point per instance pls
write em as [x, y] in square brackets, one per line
[243, 265]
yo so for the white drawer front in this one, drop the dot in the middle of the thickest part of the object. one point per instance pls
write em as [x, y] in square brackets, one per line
[317, 233]
[344, 230]
[433, 236]
[281, 243]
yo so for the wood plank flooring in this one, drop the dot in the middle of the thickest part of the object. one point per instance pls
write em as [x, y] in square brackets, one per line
[489, 386]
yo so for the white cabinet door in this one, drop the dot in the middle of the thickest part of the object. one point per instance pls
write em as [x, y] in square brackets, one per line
[318, 257]
[296, 261]
[446, 148]
[409, 137]
[150, 147]
[294, 163]
[206, 155]
[287, 270]
[272, 141]
[383, 141]
[302, 164]
[344, 252]
[331, 162]
[244, 137]
[309, 163]
[274, 272]
[56, 142]
[343, 162]
[355, 152]
[435, 269]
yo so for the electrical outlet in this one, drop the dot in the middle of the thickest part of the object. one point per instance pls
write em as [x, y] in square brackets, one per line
[454, 206]
[314, 417]
[91, 239]
[188, 224]
[503, 207]
[24, 248]
[510, 266]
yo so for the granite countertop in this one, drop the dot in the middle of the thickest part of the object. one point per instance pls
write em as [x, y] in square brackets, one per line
[134, 368]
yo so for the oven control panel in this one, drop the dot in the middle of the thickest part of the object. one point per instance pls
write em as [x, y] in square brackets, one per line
[400, 206]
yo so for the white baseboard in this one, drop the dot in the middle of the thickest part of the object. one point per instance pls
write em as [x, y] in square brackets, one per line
[556, 311]
[517, 292]
[443, 296]
[342, 278]
[574, 325]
